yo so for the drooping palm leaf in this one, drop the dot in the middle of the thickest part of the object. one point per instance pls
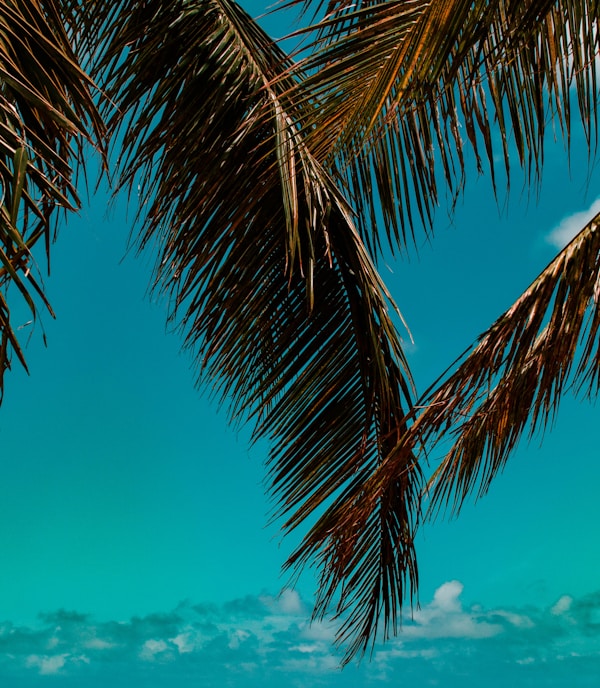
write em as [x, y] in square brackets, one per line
[46, 115]
[403, 86]
[266, 273]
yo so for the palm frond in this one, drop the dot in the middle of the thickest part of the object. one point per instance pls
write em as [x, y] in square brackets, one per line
[511, 381]
[516, 375]
[404, 86]
[46, 115]
[267, 276]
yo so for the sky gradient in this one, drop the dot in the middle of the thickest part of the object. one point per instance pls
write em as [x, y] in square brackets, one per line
[134, 528]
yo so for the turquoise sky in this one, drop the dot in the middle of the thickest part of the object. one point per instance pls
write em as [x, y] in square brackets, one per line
[133, 523]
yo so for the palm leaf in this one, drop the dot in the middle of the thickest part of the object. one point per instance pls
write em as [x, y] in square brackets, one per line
[266, 274]
[46, 116]
[515, 377]
[403, 86]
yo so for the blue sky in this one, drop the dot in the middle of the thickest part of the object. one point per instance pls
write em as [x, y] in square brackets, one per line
[133, 521]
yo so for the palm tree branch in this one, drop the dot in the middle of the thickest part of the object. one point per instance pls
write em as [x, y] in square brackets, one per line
[277, 298]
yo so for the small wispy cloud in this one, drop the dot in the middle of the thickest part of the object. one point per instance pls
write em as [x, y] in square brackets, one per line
[570, 226]
[262, 641]
[45, 664]
[562, 605]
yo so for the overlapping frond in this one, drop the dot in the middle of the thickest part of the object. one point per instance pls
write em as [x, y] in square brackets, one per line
[511, 382]
[46, 115]
[403, 86]
[277, 297]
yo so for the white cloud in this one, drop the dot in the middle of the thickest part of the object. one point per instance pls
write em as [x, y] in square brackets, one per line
[562, 605]
[518, 620]
[248, 666]
[399, 651]
[305, 648]
[325, 631]
[47, 665]
[237, 637]
[186, 641]
[570, 226]
[53, 642]
[444, 617]
[290, 602]
[526, 660]
[151, 648]
[311, 664]
[460, 625]
[446, 597]
[98, 644]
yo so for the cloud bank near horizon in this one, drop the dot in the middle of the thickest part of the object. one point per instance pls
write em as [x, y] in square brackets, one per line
[262, 641]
